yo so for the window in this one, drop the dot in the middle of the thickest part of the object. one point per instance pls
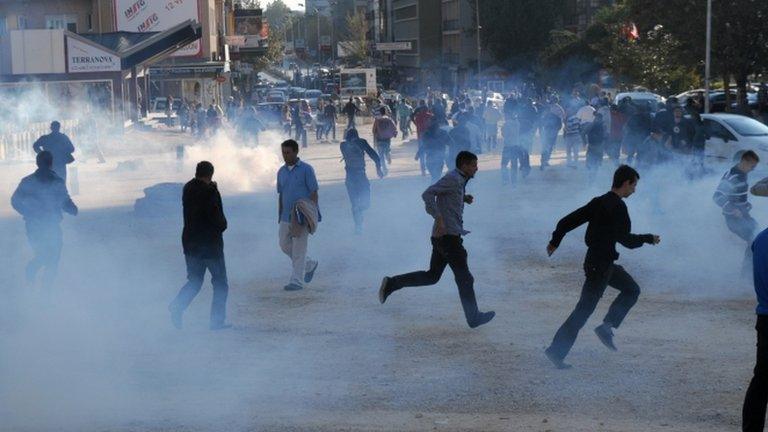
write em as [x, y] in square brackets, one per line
[68, 22]
[21, 21]
[89, 22]
[3, 26]
[408, 12]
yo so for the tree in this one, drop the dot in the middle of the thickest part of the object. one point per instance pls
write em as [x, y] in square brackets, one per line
[517, 31]
[357, 37]
[277, 14]
[249, 4]
[275, 49]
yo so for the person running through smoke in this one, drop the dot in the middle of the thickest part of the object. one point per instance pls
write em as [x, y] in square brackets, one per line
[596, 137]
[350, 110]
[422, 118]
[60, 147]
[608, 223]
[756, 399]
[40, 199]
[299, 213]
[513, 155]
[384, 129]
[732, 195]
[354, 149]
[551, 123]
[330, 114]
[404, 112]
[445, 201]
[436, 142]
[203, 243]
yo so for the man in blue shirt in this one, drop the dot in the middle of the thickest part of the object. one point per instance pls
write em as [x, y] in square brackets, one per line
[295, 181]
[753, 414]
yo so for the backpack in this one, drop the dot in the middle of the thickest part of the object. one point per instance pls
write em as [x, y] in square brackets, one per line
[386, 129]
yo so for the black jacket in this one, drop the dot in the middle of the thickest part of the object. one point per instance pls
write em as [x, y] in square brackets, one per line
[608, 224]
[204, 220]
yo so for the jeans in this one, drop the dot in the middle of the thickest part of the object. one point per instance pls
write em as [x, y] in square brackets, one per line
[572, 143]
[753, 412]
[383, 148]
[196, 268]
[511, 158]
[296, 249]
[599, 276]
[45, 239]
[359, 191]
[744, 227]
[421, 154]
[549, 140]
[350, 121]
[447, 250]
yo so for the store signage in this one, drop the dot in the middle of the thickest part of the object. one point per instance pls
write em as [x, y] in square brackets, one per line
[393, 46]
[82, 57]
[140, 16]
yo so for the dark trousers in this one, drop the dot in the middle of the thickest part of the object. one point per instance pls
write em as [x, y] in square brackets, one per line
[513, 157]
[359, 191]
[350, 121]
[447, 250]
[45, 239]
[549, 140]
[599, 276]
[196, 268]
[753, 413]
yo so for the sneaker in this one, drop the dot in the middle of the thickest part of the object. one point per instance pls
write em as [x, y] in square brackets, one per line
[383, 291]
[221, 326]
[175, 317]
[482, 318]
[309, 274]
[605, 334]
[293, 287]
[558, 362]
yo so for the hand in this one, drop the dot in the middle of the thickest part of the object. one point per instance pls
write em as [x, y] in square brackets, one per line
[656, 239]
[551, 249]
[469, 199]
[439, 227]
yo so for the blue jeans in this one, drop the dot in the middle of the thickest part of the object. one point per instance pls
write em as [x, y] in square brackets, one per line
[196, 268]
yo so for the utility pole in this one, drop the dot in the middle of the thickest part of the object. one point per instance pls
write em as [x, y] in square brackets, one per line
[708, 60]
[319, 59]
[479, 48]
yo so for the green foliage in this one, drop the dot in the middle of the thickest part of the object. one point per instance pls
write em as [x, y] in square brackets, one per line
[275, 49]
[357, 37]
[277, 14]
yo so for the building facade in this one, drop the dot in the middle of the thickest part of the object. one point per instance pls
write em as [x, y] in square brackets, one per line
[418, 22]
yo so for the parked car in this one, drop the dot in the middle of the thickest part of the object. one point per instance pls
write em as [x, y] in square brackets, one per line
[296, 92]
[641, 97]
[270, 114]
[312, 96]
[730, 133]
[276, 96]
[160, 103]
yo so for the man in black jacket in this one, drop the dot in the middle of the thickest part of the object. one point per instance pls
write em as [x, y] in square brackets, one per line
[204, 223]
[60, 147]
[608, 224]
[40, 199]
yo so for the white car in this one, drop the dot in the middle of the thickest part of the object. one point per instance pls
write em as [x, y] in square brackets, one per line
[730, 133]
[640, 96]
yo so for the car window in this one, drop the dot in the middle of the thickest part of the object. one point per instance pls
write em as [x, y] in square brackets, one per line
[715, 129]
[747, 127]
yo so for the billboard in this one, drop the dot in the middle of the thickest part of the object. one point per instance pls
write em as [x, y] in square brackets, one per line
[83, 57]
[249, 24]
[141, 16]
[357, 82]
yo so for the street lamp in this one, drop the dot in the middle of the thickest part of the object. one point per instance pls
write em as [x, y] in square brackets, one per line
[479, 48]
[317, 12]
[708, 57]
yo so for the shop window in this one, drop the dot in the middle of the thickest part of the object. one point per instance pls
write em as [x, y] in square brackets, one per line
[68, 22]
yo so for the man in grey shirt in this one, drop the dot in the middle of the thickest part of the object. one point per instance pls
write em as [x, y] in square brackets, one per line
[444, 201]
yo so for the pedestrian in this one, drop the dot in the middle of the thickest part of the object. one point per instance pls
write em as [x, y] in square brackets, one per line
[461, 138]
[201, 118]
[183, 115]
[330, 119]
[596, 137]
[492, 116]
[384, 129]
[528, 115]
[573, 141]
[732, 195]
[445, 201]
[756, 399]
[299, 213]
[608, 223]
[422, 118]
[203, 244]
[513, 155]
[351, 110]
[404, 112]
[436, 143]
[637, 128]
[59, 146]
[40, 199]
[297, 121]
[353, 150]
[551, 123]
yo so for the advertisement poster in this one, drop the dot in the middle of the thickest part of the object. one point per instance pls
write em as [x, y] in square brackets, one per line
[82, 57]
[141, 16]
[249, 24]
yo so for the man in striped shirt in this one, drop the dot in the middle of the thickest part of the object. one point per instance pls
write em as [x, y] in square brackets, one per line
[731, 195]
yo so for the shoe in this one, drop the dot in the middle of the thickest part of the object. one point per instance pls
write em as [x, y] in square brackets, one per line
[384, 291]
[293, 287]
[558, 362]
[482, 318]
[175, 317]
[309, 274]
[605, 334]
[222, 326]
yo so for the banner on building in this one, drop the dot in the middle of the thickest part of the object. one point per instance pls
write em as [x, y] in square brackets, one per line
[249, 24]
[83, 57]
[141, 16]
[393, 46]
